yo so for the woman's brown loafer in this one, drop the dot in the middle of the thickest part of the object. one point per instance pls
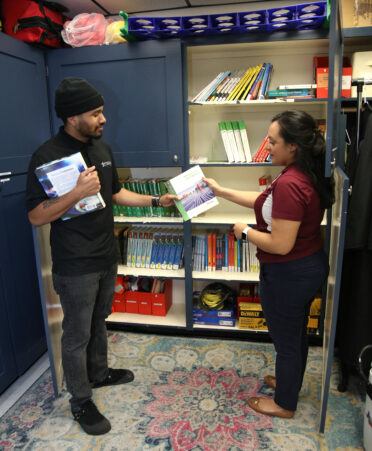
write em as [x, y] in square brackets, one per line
[254, 403]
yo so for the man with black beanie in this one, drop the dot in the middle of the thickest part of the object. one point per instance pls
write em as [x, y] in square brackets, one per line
[83, 248]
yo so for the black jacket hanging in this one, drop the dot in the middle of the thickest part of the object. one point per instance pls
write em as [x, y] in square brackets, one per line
[359, 217]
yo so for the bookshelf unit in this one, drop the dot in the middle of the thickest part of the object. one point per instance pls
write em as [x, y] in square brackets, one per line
[293, 63]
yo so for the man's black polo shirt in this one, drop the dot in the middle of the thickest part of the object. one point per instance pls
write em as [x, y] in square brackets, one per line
[84, 244]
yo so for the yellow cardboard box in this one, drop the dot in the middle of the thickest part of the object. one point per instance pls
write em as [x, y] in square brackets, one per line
[356, 13]
[251, 316]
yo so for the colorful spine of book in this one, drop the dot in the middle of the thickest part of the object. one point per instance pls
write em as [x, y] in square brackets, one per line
[172, 252]
[129, 249]
[214, 251]
[216, 93]
[206, 88]
[150, 240]
[178, 253]
[154, 251]
[167, 248]
[161, 251]
[217, 82]
[231, 252]
[234, 80]
[139, 249]
[245, 89]
[249, 95]
[260, 152]
[246, 77]
[266, 82]
[289, 92]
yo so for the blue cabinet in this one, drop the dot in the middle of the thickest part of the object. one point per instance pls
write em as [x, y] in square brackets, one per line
[24, 119]
[142, 87]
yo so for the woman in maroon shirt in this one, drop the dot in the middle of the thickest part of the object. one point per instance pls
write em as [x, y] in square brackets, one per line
[293, 264]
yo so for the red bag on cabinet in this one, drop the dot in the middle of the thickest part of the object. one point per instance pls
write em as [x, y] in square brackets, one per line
[34, 21]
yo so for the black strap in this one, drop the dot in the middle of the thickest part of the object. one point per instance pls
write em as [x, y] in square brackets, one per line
[51, 24]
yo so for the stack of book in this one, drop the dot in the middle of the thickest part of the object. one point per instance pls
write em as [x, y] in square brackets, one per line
[304, 91]
[150, 187]
[235, 141]
[148, 247]
[262, 155]
[223, 252]
[238, 85]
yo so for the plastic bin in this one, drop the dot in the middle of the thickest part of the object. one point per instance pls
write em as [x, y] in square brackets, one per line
[224, 23]
[168, 27]
[196, 26]
[252, 21]
[142, 28]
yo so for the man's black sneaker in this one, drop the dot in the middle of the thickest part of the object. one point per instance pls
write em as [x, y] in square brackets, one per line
[91, 420]
[115, 377]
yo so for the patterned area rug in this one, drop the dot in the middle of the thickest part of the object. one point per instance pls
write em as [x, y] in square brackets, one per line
[188, 394]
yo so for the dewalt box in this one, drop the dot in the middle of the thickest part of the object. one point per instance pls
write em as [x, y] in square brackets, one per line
[251, 316]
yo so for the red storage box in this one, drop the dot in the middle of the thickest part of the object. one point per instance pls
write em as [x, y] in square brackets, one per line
[320, 64]
[144, 304]
[131, 301]
[160, 303]
[118, 304]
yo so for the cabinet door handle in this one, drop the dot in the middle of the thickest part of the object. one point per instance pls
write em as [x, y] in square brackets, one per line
[175, 158]
[3, 181]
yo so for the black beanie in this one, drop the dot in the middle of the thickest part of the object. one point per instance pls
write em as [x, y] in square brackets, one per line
[76, 96]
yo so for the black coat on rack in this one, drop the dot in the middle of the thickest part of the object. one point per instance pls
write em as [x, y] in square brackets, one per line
[354, 329]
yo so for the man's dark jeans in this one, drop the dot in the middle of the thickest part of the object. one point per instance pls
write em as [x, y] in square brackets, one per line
[86, 302]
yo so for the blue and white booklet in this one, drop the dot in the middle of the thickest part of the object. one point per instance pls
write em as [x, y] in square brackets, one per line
[196, 196]
[59, 177]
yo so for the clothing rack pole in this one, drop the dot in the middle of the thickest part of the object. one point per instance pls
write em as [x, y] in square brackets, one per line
[359, 83]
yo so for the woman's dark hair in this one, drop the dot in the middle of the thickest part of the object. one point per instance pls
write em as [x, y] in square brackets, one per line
[298, 127]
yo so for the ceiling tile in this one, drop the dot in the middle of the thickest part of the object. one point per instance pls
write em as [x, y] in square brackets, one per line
[166, 7]
[133, 6]
[80, 6]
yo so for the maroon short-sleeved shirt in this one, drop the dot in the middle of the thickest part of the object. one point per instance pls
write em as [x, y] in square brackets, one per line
[291, 196]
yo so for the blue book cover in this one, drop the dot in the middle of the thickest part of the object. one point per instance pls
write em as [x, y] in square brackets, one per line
[161, 251]
[60, 176]
[167, 249]
[172, 253]
[154, 251]
[239, 254]
[178, 254]
[226, 247]
[266, 81]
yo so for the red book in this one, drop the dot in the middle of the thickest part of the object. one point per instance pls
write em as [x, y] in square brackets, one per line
[210, 252]
[231, 259]
[214, 251]
[257, 156]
